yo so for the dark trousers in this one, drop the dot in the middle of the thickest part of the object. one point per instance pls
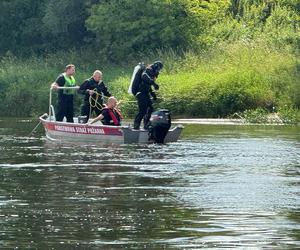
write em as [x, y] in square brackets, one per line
[86, 108]
[65, 109]
[145, 110]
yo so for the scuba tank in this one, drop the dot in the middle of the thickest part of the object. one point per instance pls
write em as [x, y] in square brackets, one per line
[136, 78]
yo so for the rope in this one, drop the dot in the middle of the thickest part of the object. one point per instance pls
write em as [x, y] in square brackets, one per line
[101, 106]
[124, 101]
[96, 103]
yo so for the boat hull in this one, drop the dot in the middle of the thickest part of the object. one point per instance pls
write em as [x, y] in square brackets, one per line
[78, 132]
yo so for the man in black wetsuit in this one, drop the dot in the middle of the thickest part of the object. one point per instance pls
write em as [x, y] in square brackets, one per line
[93, 90]
[145, 93]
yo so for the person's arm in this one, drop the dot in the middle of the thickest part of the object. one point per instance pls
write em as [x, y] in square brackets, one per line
[104, 90]
[146, 78]
[54, 85]
[84, 88]
[59, 82]
[149, 80]
[152, 93]
[99, 117]
[119, 113]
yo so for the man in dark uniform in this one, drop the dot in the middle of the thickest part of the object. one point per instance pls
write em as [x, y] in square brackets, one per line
[145, 93]
[65, 96]
[93, 89]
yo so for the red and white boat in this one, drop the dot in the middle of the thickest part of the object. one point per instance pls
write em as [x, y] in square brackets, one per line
[82, 132]
[97, 133]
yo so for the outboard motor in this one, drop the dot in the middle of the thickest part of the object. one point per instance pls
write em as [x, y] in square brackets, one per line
[160, 123]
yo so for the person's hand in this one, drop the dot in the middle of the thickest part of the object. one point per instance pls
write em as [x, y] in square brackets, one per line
[154, 96]
[119, 102]
[156, 86]
[54, 86]
[91, 92]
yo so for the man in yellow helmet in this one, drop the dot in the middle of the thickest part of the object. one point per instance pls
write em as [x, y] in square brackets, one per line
[65, 96]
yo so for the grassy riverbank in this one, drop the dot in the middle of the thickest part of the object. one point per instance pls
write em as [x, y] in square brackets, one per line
[226, 80]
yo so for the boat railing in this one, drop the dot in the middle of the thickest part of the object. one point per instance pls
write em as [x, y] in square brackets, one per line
[51, 108]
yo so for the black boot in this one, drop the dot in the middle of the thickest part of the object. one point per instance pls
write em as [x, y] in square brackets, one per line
[136, 126]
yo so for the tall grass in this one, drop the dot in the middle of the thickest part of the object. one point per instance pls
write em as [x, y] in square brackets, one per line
[228, 78]
[231, 78]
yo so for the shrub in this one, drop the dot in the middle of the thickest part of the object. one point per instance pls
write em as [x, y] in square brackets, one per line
[289, 115]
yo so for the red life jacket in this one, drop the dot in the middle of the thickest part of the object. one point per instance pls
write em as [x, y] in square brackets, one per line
[113, 116]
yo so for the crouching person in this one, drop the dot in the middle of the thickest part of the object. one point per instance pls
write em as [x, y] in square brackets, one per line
[110, 114]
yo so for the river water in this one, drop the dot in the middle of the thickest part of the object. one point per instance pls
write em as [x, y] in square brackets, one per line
[217, 187]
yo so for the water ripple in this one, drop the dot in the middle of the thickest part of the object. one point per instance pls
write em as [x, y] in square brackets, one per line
[218, 187]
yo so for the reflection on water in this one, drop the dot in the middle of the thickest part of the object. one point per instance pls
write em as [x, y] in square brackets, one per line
[218, 187]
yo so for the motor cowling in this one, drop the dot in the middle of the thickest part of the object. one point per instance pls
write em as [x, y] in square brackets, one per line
[160, 123]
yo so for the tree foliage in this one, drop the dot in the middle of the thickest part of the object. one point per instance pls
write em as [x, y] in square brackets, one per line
[20, 25]
[64, 23]
[124, 27]
[119, 29]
